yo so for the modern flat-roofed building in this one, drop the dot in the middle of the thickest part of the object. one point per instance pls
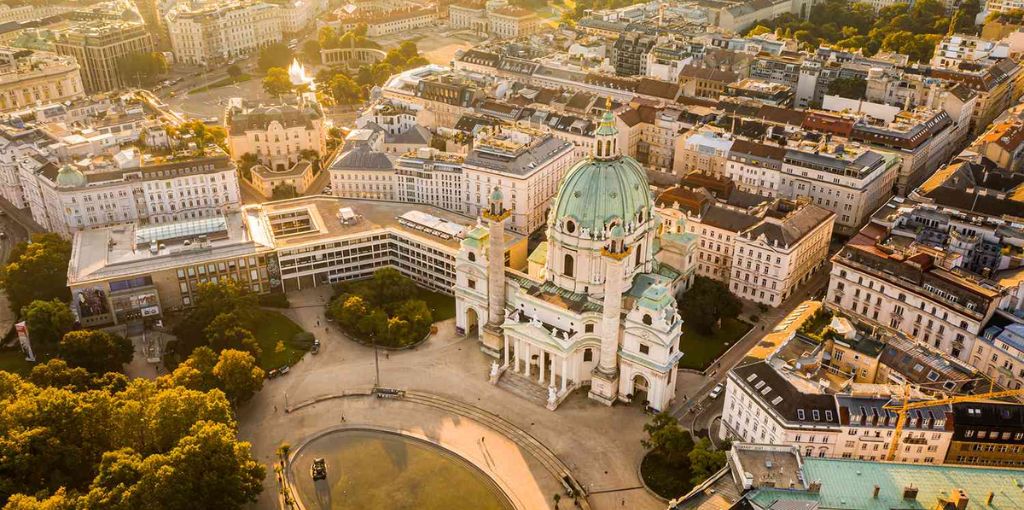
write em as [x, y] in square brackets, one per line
[124, 272]
[99, 46]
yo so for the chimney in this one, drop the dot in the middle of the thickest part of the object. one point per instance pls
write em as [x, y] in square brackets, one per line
[910, 492]
[814, 487]
[990, 496]
[959, 498]
[875, 493]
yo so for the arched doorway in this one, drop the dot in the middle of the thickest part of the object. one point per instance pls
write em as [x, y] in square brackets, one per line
[472, 322]
[640, 388]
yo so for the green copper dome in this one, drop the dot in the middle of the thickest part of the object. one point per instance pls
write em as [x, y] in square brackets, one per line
[70, 177]
[595, 191]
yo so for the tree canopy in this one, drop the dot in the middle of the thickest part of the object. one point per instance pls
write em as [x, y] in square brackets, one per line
[706, 303]
[48, 321]
[277, 82]
[37, 270]
[909, 28]
[142, 68]
[232, 302]
[133, 444]
[850, 88]
[274, 55]
[96, 351]
[383, 309]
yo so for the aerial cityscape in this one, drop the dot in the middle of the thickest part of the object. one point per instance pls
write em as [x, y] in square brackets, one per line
[512, 254]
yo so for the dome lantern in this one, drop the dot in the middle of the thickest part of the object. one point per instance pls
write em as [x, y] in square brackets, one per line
[606, 145]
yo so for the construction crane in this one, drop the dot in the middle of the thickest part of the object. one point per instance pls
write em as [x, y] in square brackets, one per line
[905, 406]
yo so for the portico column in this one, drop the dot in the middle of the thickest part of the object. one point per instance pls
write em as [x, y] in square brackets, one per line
[527, 358]
[551, 376]
[506, 350]
[541, 366]
[565, 370]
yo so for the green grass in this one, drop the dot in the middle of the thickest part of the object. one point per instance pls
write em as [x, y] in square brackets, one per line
[224, 82]
[274, 327]
[700, 350]
[14, 361]
[442, 306]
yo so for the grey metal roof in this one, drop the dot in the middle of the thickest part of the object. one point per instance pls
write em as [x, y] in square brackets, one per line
[362, 158]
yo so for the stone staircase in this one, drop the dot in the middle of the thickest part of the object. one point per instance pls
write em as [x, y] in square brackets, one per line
[525, 387]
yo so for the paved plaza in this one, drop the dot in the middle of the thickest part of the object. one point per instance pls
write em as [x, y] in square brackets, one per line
[600, 445]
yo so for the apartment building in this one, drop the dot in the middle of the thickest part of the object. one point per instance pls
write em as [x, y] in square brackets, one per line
[987, 434]
[98, 46]
[276, 133]
[998, 86]
[999, 351]
[215, 33]
[393, 21]
[648, 134]
[131, 187]
[705, 82]
[29, 77]
[781, 252]
[915, 290]
[365, 172]
[702, 151]
[763, 405]
[527, 165]
[432, 177]
[957, 49]
[867, 428]
[630, 51]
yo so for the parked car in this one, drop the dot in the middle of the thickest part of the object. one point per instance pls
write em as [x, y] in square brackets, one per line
[328, 191]
[319, 469]
[3, 235]
[716, 391]
[316, 347]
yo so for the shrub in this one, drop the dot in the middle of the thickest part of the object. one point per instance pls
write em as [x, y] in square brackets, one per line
[274, 300]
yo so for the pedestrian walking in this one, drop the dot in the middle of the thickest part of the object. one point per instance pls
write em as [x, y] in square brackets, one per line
[275, 409]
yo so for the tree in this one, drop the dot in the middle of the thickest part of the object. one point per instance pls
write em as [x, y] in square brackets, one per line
[57, 374]
[408, 49]
[234, 71]
[37, 270]
[850, 88]
[707, 303]
[213, 299]
[283, 191]
[759, 30]
[327, 37]
[228, 331]
[344, 90]
[311, 51]
[274, 55]
[48, 321]
[665, 435]
[142, 68]
[704, 461]
[237, 375]
[390, 286]
[245, 164]
[196, 372]
[96, 351]
[277, 82]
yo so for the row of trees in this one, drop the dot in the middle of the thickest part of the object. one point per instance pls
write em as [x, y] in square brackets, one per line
[381, 309]
[912, 29]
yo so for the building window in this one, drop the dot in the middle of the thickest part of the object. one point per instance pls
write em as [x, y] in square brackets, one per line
[567, 265]
[588, 354]
[645, 349]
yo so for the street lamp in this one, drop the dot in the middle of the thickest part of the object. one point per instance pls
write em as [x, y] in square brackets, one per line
[376, 361]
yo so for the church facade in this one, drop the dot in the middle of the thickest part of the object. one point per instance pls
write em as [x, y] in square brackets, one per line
[600, 315]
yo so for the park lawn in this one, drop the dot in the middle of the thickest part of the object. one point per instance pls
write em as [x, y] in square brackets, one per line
[14, 361]
[700, 350]
[223, 82]
[272, 327]
[442, 306]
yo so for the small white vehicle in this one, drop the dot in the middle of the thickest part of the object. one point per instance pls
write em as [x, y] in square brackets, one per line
[716, 391]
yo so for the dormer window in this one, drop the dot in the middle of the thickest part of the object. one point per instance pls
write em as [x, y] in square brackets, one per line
[647, 319]
[472, 257]
[570, 226]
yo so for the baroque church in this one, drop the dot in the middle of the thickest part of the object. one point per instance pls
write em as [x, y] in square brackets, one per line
[600, 315]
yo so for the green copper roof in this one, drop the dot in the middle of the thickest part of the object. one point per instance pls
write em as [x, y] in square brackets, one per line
[70, 177]
[850, 484]
[595, 192]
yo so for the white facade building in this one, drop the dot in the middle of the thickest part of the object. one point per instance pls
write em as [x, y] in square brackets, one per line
[223, 31]
[29, 77]
[276, 134]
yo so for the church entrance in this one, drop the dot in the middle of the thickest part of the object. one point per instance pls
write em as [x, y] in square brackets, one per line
[472, 323]
[640, 389]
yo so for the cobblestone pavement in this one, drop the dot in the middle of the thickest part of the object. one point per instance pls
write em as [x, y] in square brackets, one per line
[600, 445]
